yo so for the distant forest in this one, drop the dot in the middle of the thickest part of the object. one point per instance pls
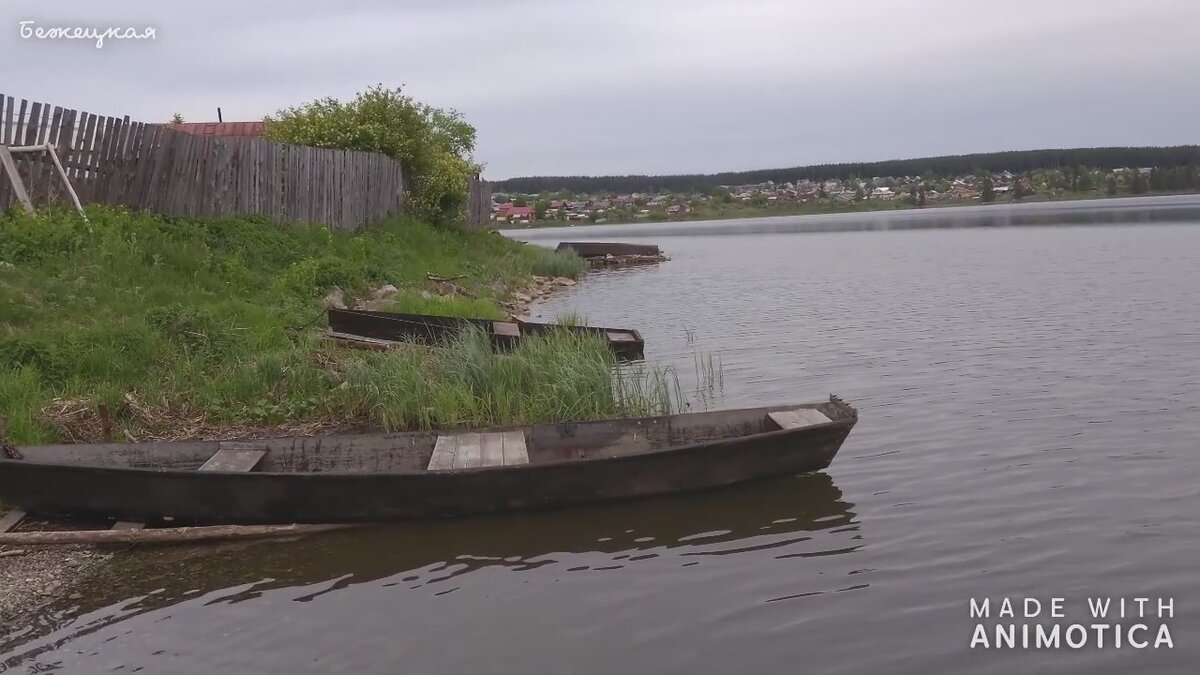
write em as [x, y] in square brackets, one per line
[1018, 161]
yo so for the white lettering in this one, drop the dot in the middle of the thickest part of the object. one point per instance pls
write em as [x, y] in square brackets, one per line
[979, 636]
[1006, 609]
[1037, 604]
[1167, 607]
[1141, 606]
[1164, 635]
[1076, 644]
[1099, 609]
[1047, 640]
[1100, 628]
[1010, 637]
[30, 29]
[1056, 608]
[1133, 642]
[980, 611]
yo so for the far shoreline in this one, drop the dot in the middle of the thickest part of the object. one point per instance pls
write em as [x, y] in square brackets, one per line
[842, 213]
[903, 217]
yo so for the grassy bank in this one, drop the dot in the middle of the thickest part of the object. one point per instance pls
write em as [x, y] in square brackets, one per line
[177, 328]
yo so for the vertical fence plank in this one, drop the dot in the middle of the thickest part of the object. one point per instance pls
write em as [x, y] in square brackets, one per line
[155, 168]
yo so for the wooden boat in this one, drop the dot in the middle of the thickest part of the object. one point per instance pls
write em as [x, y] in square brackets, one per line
[430, 329]
[600, 249]
[381, 477]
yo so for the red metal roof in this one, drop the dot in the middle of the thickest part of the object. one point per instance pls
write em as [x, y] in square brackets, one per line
[219, 128]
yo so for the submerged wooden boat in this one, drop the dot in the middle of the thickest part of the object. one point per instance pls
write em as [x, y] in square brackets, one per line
[600, 249]
[430, 329]
[381, 477]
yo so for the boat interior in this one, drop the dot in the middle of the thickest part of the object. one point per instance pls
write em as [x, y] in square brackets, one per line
[446, 449]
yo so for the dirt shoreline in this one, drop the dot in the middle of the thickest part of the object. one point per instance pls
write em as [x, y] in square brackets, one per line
[33, 577]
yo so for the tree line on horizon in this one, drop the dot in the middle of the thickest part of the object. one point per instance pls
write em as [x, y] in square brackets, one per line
[1016, 161]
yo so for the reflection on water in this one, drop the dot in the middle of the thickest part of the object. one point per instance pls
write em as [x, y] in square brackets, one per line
[800, 517]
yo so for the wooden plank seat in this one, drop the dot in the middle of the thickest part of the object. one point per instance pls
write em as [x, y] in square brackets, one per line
[474, 450]
[798, 418]
[231, 456]
[506, 329]
[620, 336]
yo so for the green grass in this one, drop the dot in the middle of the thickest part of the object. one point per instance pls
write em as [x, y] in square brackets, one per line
[555, 377]
[181, 325]
[548, 263]
[412, 303]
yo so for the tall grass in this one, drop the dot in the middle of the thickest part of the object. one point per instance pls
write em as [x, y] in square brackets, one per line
[548, 263]
[554, 377]
[176, 324]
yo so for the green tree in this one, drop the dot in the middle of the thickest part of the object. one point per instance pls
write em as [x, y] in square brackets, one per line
[1137, 183]
[721, 195]
[1111, 186]
[921, 198]
[432, 144]
[859, 194]
[987, 193]
[1083, 179]
[176, 119]
[1159, 180]
[540, 207]
[520, 200]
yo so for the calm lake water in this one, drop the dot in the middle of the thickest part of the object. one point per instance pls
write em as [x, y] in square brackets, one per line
[1030, 426]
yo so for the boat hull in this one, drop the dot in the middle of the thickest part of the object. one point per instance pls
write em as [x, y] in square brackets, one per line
[434, 330]
[188, 496]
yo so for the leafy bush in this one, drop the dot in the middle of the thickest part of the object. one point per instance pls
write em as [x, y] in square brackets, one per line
[433, 145]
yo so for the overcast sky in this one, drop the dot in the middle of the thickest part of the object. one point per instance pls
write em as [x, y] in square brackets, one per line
[652, 86]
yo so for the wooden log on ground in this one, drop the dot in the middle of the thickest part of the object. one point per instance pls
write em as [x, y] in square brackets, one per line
[166, 535]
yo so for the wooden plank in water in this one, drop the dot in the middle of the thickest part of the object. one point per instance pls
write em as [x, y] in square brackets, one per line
[491, 449]
[234, 459]
[469, 451]
[443, 453]
[617, 336]
[11, 520]
[514, 448]
[798, 418]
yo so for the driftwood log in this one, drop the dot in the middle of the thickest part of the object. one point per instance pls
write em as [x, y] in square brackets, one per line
[166, 535]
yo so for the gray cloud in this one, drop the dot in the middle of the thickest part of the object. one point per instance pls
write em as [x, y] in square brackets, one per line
[651, 86]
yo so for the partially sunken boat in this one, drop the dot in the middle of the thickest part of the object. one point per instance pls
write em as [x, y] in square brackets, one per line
[384, 329]
[382, 477]
[601, 249]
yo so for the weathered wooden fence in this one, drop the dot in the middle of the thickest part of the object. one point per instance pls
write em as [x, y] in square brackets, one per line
[150, 167]
[479, 203]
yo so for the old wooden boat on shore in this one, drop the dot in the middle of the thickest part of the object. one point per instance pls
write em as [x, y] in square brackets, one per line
[345, 324]
[382, 477]
[600, 249]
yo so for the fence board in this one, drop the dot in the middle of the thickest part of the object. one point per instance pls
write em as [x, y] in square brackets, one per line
[152, 167]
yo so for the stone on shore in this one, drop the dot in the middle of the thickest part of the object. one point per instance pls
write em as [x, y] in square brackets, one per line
[334, 299]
